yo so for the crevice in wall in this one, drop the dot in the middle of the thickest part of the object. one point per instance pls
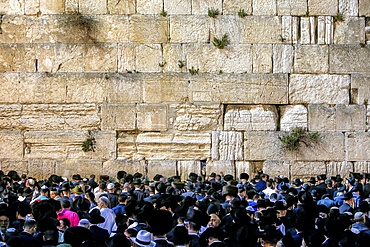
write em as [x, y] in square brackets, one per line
[1, 22]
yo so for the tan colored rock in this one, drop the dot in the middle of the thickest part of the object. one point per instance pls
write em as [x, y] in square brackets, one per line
[95, 7]
[250, 117]
[17, 58]
[225, 166]
[9, 115]
[149, 7]
[126, 58]
[19, 166]
[172, 55]
[260, 29]
[178, 7]
[321, 117]
[305, 170]
[234, 6]
[243, 166]
[195, 117]
[262, 58]
[152, 117]
[41, 169]
[166, 168]
[189, 28]
[149, 58]
[311, 59]
[323, 7]
[84, 88]
[52, 6]
[11, 144]
[121, 7]
[341, 168]
[111, 167]
[148, 29]
[227, 145]
[118, 116]
[350, 31]
[110, 28]
[348, 59]
[31, 7]
[126, 147]
[323, 89]
[293, 116]
[364, 8]
[275, 168]
[184, 167]
[201, 7]
[348, 7]
[264, 7]
[290, 29]
[105, 145]
[351, 117]
[291, 7]
[360, 88]
[71, 6]
[361, 167]
[325, 30]
[124, 88]
[78, 166]
[306, 31]
[282, 58]
[355, 143]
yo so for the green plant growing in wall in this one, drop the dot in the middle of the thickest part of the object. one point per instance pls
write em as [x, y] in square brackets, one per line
[181, 64]
[213, 12]
[162, 64]
[221, 43]
[193, 71]
[363, 45]
[163, 13]
[338, 17]
[89, 144]
[297, 136]
[242, 13]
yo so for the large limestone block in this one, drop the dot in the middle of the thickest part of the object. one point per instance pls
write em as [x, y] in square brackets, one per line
[208, 58]
[350, 117]
[152, 117]
[293, 116]
[291, 7]
[201, 7]
[260, 29]
[349, 59]
[262, 58]
[364, 8]
[149, 58]
[323, 89]
[275, 168]
[290, 29]
[118, 117]
[32, 7]
[307, 30]
[225, 166]
[110, 28]
[173, 146]
[189, 28]
[368, 117]
[11, 144]
[356, 146]
[361, 167]
[350, 31]
[126, 58]
[305, 170]
[341, 168]
[282, 58]
[148, 29]
[126, 146]
[321, 117]
[184, 167]
[125, 88]
[360, 88]
[264, 7]
[71, 6]
[78, 166]
[227, 145]
[251, 88]
[166, 168]
[167, 87]
[250, 117]
[323, 7]
[95, 7]
[19, 166]
[17, 58]
[9, 116]
[234, 6]
[84, 87]
[111, 167]
[195, 117]
[349, 7]
[325, 30]
[105, 145]
[243, 166]
[52, 6]
[178, 7]
[172, 55]
[121, 7]
[263, 145]
[311, 59]
[41, 169]
[149, 6]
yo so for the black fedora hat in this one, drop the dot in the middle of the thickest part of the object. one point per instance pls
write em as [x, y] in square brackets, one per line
[160, 222]
[297, 182]
[118, 240]
[347, 196]
[94, 216]
[76, 177]
[321, 177]
[279, 205]
[137, 181]
[312, 180]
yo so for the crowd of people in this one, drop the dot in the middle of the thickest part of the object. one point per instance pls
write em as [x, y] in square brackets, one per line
[217, 210]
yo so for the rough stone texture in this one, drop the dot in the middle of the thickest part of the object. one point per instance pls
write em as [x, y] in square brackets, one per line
[350, 31]
[52, 6]
[349, 7]
[225, 166]
[282, 58]
[198, 117]
[143, 64]
[201, 7]
[262, 58]
[275, 168]
[341, 168]
[189, 29]
[166, 168]
[12, 55]
[348, 59]
[355, 143]
[177, 6]
[111, 167]
[293, 116]
[21, 166]
[305, 170]
[118, 117]
[364, 8]
[350, 117]
[41, 169]
[234, 6]
[184, 167]
[321, 89]
[244, 166]
[321, 117]
[93, 7]
[361, 166]
[323, 7]
[368, 117]
[227, 145]
[78, 166]
[125, 89]
[291, 7]
[325, 30]
[264, 7]
[148, 29]
[149, 6]
[311, 59]
[152, 117]
[121, 7]
[360, 88]
[11, 144]
[250, 117]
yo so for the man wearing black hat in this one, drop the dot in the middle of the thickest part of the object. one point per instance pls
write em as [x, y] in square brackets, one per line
[347, 205]
[261, 184]
[137, 191]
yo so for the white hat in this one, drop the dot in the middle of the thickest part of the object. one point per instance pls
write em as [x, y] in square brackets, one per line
[110, 186]
[143, 239]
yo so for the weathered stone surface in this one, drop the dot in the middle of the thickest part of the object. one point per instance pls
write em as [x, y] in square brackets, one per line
[82, 88]
[350, 117]
[19, 166]
[325, 30]
[260, 29]
[361, 167]
[233, 7]
[198, 117]
[348, 59]
[348, 7]
[184, 167]
[291, 7]
[11, 144]
[227, 145]
[282, 58]
[9, 116]
[189, 29]
[364, 8]
[355, 146]
[111, 167]
[41, 169]
[166, 168]
[350, 31]
[152, 117]
[78, 166]
[275, 168]
[323, 89]
[251, 88]
[52, 6]
[125, 88]
[225, 166]
[118, 116]
[293, 116]
[11, 7]
[126, 147]
[360, 88]
[17, 58]
[321, 117]
[31, 7]
[202, 6]
[148, 29]
[341, 168]
[173, 146]
[98, 7]
[143, 53]
[323, 7]
[368, 117]
[149, 6]
[71, 6]
[172, 55]
[262, 58]
[126, 58]
[243, 166]
[182, 7]
[305, 170]
[290, 29]
[121, 7]
[250, 117]
[105, 145]
[306, 30]
[311, 59]
[264, 7]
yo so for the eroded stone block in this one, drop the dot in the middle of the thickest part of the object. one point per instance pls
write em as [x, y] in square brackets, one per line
[152, 117]
[341, 168]
[184, 167]
[121, 7]
[182, 7]
[311, 59]
[225, 166]
[227, 145]
[148, 58]
[125, 88]
[260, 29]
[166, 168]
[349, 7]
[201, 7]
[84, 87]
[149, 6]
[293, 116]
[262, 58]
[364, 8]
[348, 59]
[361, 167]
[305, 170]
[85, 168]
[97, 7]
[264, 7]
[321, 117]
[111, 167]
[52, 6]
[189, 28]
[126, 147]
[350, 117]
[360, 88]
[11, 144]
[17, 58]
[291, 7]
[282, 58]
[355, 146]
[323, 7]
[275, 168]
[350, 31]
[148, 29]
[118, 116]
[19, 166]
[41, 169]
[234, 6]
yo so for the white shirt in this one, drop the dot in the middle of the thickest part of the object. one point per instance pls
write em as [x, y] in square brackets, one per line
[110, 219]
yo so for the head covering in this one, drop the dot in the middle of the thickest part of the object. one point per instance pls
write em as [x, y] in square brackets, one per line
[143, 239]
[94, 216]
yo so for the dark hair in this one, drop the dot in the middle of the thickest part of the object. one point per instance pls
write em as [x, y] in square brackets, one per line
[122, 198]
[66, 222]
[65, 203]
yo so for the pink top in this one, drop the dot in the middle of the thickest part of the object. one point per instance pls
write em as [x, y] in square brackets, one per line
[72, 216]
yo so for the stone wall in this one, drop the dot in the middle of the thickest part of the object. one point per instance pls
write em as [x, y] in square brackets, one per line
[144, 79]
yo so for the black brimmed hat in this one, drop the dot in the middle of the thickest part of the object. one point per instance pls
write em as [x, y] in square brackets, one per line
[94, 217]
